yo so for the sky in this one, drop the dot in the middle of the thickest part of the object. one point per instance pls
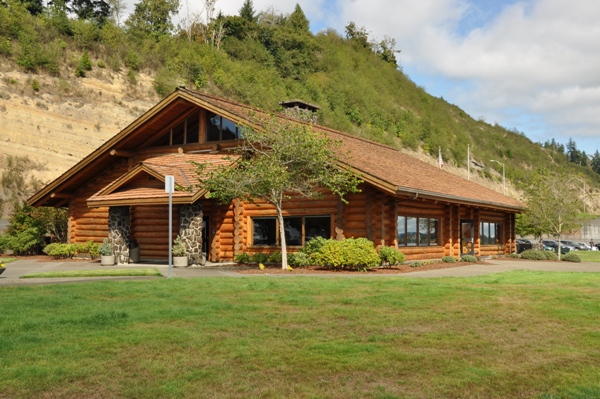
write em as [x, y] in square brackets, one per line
[531, 65]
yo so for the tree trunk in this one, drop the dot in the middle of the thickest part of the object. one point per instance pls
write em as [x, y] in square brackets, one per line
[284, 263]
[559, 249]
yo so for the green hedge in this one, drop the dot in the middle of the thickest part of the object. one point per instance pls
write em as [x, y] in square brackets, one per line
[534, 254]
[571, 257]
[67, 251]
[390, 256]
[449, 259]
[351, 253]
[468, 258]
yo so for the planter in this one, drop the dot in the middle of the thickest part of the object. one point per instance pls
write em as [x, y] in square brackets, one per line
[2, 269]
[107, 260]
[180, 261]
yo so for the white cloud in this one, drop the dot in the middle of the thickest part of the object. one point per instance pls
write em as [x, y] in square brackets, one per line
[541, 56]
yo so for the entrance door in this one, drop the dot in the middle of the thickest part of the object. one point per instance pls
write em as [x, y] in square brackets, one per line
[467, 239]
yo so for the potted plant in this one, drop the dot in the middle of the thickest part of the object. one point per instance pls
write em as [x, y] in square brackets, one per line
[107, 258]
[2, 267]
[180, 258]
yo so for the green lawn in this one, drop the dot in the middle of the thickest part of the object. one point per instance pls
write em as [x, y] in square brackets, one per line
[152, 271]
[520, 334]
[8, 260]
[589, 256]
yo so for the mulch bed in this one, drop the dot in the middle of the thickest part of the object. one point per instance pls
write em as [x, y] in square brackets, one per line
[46, 258]
[276, 269]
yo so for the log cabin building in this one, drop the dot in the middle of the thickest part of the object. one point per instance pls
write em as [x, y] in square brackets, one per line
[118, 191]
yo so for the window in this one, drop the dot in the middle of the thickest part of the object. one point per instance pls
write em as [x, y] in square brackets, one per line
[414, 231]
[219, 128]
[298, 230]
[185, 132]
[490, 233]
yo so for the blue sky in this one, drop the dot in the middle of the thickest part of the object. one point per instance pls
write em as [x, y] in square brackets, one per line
[531, 65]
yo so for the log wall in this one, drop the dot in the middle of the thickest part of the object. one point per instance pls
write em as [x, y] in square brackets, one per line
[92, 223]
[150, 227]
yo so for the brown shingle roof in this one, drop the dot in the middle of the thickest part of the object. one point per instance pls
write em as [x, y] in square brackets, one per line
[400, 172]
[178, 165]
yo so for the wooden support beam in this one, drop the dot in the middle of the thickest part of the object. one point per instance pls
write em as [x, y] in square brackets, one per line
[121, 153]
[62, 195]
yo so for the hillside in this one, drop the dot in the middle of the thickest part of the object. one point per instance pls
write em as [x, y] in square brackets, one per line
[66, 85]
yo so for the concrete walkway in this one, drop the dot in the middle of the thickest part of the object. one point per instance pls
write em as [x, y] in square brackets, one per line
[14, 270]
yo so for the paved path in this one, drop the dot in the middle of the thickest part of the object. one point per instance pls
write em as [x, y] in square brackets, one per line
[14, 270]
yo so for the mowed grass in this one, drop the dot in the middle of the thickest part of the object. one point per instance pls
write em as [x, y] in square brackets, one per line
[139, 272]
[8, 260]
[589, 256]
[512, 335]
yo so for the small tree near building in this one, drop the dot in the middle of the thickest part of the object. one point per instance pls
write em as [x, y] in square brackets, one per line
[553, 203]
[276, 162]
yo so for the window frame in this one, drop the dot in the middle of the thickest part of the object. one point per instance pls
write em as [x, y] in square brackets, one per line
[277, 236]
[432, 236]
[485, 230]
[209, 116]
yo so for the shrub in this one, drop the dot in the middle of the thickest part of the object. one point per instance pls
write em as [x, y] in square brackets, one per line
[390, 256]
[550, 255]
[275, 257]
[299, 259]
[259, 258]
[84, 64]
[88, 248]
[314, 245]
[416, 264]
[515, 256]
[105, 248]
[352, 253]
[242, 258]
[178, 247]
[449, 259]
[468, 258]
[58, 250]
[571, 257]
[534, 254]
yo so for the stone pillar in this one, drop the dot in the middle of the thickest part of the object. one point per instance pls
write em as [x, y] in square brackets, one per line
[190, 231]
[119, 232]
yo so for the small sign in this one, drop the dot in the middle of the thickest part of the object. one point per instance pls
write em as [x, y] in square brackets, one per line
[169, 184]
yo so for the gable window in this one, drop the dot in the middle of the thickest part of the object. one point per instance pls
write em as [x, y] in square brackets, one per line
[298, 230]
[490, 233]
[185, 132]
[220, 129]
[413, 231]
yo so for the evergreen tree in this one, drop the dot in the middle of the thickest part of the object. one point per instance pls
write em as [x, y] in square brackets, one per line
[595, 164]
[298, 21]
[152, 17]
[35, 7]
[247, 11]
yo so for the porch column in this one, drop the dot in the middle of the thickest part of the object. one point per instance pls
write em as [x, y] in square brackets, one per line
[119, 232]
[190, 231]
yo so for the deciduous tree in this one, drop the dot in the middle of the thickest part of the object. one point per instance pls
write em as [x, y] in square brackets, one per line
[276, 162]
[553, 205]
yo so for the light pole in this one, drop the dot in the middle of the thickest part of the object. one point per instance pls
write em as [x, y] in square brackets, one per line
[503, 175]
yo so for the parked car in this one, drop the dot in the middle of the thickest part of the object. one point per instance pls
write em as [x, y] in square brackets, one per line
[564, 249]
[584, 247]
[523, 244]
[575, 245]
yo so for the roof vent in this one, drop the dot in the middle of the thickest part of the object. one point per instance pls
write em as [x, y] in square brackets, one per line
[299, 109]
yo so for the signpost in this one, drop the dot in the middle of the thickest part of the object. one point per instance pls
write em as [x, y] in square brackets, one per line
[169, 188]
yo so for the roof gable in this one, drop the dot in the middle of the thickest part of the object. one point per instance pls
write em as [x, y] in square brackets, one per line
[384, 167]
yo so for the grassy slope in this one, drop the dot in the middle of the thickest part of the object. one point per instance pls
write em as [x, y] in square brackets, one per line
[356, 90]
[520, 334]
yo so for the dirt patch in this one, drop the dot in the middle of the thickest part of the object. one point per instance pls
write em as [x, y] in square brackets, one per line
[276, 269]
